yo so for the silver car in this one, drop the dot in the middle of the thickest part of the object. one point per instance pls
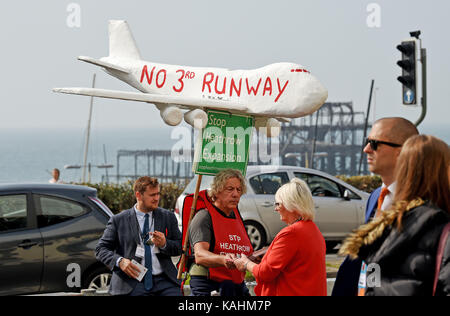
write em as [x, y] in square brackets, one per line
[340, 207]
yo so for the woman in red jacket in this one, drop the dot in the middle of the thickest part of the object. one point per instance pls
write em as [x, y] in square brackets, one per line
[295, 261]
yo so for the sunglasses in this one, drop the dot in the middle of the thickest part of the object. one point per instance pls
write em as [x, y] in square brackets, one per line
[374, 143]
[277, 206]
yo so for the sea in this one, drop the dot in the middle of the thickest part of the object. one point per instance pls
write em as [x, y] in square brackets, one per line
[29, 155]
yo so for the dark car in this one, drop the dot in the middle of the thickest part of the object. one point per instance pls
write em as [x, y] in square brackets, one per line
[48, 233]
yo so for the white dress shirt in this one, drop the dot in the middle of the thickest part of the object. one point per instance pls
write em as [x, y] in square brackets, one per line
[389, 198]
[156, 265]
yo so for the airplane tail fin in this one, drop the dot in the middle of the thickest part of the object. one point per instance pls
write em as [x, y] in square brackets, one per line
[121, 41]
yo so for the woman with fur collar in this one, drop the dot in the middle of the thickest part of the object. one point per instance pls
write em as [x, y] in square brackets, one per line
[399, 247]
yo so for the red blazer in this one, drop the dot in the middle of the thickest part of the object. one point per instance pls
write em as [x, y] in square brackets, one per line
[294, 263]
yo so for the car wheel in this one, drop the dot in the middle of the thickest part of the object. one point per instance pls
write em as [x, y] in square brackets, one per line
[256, 234]
[98, 280]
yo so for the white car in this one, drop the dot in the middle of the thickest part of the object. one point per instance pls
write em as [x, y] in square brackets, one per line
[340, 207]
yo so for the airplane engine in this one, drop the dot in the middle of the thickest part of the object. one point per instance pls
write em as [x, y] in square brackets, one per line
[196, 118]
[271, 127]
[171, 114]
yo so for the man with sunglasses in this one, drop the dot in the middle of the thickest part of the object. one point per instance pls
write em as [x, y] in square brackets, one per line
[382, 146]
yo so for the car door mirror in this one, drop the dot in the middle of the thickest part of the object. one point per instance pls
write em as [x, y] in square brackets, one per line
[347, 195]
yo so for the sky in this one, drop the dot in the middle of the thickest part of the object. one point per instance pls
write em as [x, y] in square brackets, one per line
[345, 44]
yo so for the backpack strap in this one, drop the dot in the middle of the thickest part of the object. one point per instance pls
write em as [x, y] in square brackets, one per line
[440, 254]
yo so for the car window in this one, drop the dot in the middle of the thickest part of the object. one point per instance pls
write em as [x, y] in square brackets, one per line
[13, 212]
[302, 176]
[320, 186]
[268, 183]
[102, 206]
[53, 210]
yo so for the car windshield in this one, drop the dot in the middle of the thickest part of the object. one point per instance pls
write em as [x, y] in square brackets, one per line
[206, 184]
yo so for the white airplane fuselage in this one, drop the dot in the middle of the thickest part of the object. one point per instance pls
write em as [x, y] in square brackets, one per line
[277, 90]
[271, 94]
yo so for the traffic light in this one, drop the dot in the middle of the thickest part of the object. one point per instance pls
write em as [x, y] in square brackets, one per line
[408, 63]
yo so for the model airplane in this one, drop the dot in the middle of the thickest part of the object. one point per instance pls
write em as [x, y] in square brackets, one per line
[271, 94]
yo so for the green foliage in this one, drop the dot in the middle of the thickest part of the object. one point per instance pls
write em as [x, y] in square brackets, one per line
[169, 195]
[363, 183]
[119, 197]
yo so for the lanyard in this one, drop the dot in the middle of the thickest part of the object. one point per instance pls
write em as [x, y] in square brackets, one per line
[141, 234]
[362, 284]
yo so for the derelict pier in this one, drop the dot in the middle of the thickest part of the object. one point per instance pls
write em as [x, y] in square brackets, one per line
[329, 140]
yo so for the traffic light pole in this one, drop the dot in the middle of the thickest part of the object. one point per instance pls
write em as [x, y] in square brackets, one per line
[423, 59]
[410, 48]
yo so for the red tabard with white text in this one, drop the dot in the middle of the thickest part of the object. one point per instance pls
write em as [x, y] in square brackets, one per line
[231, 237]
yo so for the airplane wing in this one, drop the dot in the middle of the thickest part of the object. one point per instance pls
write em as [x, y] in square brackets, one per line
[155, 98]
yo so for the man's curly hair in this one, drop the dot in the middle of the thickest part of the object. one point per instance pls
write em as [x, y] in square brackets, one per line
[221, 179]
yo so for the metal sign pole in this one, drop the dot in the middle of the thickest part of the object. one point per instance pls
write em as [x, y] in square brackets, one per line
[88, 132]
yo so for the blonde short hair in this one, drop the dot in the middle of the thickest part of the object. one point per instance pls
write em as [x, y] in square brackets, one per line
[221, 179]
[296, 197]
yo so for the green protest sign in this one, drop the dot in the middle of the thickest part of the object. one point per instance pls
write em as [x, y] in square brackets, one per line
[225, 143]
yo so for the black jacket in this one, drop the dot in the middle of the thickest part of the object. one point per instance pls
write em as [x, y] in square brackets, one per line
[406, 259]
[347, 278]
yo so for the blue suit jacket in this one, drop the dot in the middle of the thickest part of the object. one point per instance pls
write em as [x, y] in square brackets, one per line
[347, 278]
[121, 238]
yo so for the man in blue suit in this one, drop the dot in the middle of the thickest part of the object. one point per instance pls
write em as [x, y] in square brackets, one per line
[383, 145]
[147, 234]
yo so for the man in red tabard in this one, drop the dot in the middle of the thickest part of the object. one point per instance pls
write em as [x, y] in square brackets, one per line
[217, 233]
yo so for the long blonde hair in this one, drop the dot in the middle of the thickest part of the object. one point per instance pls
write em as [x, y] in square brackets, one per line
[422, 172]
